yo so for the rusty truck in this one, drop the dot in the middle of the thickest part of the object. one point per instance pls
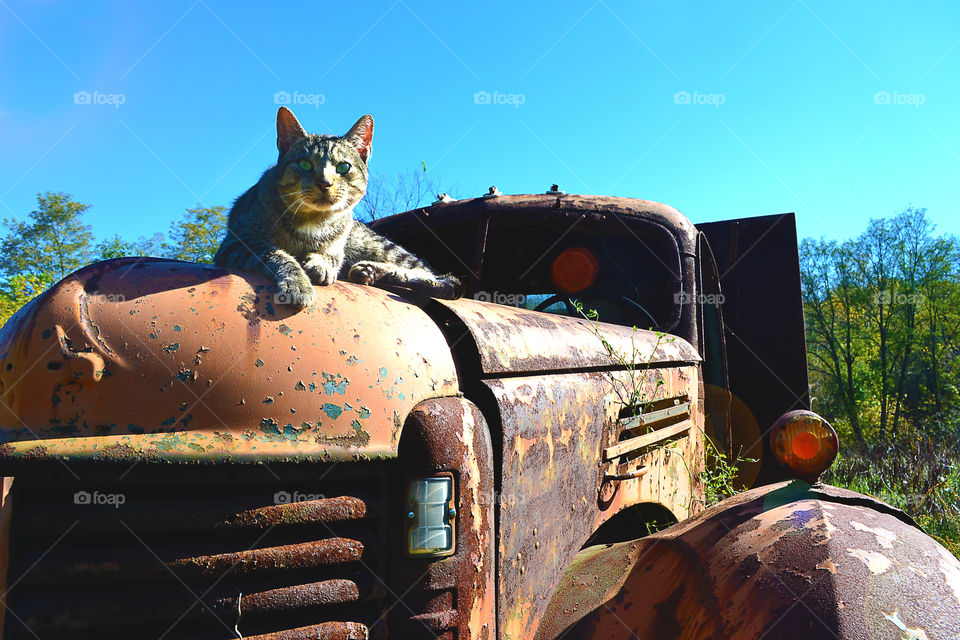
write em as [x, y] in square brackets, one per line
[185, 457]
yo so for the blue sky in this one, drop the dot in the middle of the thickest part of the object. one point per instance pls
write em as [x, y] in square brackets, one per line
[840, 111]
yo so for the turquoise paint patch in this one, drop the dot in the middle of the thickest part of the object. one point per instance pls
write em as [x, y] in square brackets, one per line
[332, 410]
[331, 387]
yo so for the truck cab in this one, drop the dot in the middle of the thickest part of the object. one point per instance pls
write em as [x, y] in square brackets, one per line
[186, 457]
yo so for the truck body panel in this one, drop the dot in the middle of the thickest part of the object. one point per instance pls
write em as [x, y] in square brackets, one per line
[788, 560]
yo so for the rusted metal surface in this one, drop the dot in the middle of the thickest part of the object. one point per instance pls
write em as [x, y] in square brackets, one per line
[554, 495]
[155, 359]
[460, 225]
[325, 631]
[286, 557]
[512, 341]
[783, 561]
[453, 597]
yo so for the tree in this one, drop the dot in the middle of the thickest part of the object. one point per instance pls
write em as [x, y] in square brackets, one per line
[831, 298]
[54, 242]
[407, 190]
[117, 247]
[883, 329]
[197, 235]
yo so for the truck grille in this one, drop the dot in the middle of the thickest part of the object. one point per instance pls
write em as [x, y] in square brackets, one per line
[200, 553]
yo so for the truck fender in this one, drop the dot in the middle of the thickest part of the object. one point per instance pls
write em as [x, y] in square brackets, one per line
[787, 561]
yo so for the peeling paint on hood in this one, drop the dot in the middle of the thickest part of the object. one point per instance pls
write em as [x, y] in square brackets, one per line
[167, 360]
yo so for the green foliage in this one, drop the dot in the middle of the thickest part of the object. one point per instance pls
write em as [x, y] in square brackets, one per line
[117, 247]
[919, 476]
[883, 328]
[17, 290]
[883, 341]
[53, 241]
[720, 476]
[197, 235]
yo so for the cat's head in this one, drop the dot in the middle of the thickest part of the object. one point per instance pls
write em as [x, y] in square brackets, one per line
[321, 174]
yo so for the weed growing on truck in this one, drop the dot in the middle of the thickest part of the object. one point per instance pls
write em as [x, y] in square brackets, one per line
[719, 474]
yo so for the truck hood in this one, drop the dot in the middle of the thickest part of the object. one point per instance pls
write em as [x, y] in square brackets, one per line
[146, 358]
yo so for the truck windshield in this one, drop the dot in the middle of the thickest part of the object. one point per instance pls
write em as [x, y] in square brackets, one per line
[629, 273]
[625, 267]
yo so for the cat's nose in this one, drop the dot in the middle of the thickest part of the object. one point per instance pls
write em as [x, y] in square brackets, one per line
[323, 184]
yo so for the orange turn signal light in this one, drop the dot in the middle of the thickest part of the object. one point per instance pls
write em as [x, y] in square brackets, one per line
[804, 444]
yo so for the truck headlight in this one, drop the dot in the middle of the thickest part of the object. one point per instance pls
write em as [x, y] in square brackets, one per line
[431, 518]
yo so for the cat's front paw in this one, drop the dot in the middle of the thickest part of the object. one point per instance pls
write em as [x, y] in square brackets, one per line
[320, 273]
[295, 291]
[365, 272]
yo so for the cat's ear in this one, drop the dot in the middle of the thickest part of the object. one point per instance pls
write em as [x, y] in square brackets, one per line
[361, 135]
[288, 130]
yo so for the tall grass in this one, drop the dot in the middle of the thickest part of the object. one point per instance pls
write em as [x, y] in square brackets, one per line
[920, 476]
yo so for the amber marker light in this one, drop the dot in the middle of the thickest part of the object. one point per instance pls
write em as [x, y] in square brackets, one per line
[804, 444]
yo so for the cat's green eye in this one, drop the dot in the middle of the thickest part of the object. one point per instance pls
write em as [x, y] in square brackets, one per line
[306, 165]
[343, 168]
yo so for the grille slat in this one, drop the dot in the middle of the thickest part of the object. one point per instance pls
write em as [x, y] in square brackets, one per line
[45, 612]
[303, 568]
[165, 516]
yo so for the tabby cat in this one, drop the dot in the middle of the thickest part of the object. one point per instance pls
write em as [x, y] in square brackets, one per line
[296, 224]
